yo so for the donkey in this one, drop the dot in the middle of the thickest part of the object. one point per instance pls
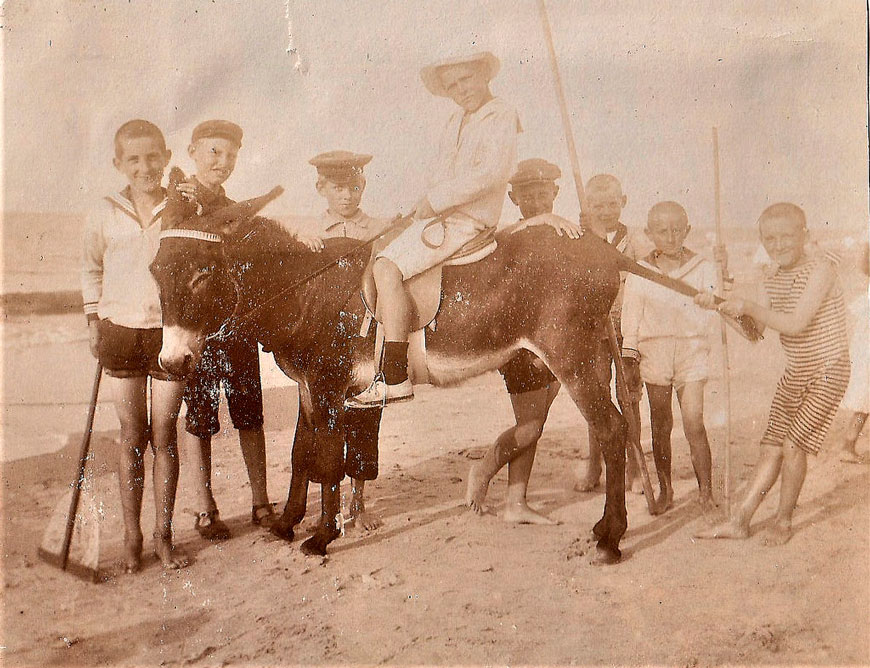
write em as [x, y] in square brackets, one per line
[232, 270]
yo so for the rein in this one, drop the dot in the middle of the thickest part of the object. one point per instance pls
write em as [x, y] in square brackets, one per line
[214, 238]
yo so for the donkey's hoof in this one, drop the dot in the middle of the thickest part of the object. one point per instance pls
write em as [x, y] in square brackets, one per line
[282, 530]
[605, 556]
[314, 546]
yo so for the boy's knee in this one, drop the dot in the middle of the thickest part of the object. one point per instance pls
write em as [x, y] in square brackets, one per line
[384, 270]
[695, 430]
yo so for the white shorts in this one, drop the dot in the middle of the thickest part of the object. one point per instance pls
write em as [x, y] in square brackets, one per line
[673, 360]
[413, 255]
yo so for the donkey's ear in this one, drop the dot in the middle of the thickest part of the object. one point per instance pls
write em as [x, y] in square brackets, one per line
[177, 208]
[234, 219]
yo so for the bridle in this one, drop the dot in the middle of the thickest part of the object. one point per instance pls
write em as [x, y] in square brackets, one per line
[211, 237]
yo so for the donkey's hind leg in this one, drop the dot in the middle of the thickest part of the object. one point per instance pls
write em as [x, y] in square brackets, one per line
[609, 427]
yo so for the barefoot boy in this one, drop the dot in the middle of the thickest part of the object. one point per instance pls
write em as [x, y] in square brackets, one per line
[233, 361]
[666, 337]
[606, 201]
[803, 301]
[122, 305]
[531, 386]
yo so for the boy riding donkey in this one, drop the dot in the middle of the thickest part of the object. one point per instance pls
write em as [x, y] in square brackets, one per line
[476, 156]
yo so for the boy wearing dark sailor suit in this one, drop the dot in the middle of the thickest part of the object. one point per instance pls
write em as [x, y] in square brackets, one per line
[531, 386]
[341, 182]
[230, 361]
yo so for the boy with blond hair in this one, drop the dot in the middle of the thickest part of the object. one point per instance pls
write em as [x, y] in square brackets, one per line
[666, 344]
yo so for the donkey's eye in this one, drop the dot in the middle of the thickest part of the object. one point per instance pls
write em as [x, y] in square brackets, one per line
[200, 277]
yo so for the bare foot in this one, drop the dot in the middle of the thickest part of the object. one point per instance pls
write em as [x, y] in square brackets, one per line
[132, 553]
[170, 558]
[520, 513]
[778, 534]
[361, 518]
[590, 480]
[707, 504]
[475, 494]
[730, 529]
[852, 457]
[665, 500]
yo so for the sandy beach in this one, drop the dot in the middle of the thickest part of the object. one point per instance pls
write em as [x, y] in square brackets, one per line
[435, 584]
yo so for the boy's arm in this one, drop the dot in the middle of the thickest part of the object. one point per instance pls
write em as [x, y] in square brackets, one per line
[93, 248]
[497, 155]
[818, 285]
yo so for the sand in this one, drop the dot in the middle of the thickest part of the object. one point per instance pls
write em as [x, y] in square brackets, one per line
[435, 584]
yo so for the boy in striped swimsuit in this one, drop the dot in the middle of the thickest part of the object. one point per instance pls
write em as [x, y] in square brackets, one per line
[805, 304]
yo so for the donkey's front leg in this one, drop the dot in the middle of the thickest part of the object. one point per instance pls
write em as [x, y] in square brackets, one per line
[327, 467]
[328, 530]
[297, 497]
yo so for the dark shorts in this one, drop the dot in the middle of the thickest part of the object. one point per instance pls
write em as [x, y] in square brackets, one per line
[524, 372]
[127, 352]
[236, 364]
[361, 427]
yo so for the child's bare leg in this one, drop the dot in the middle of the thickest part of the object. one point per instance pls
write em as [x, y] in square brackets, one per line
[766, 472]
[691, 398]
[165, 404]
[661, 424]
[527, 406]
[592, 476]
[199, 453]
[854, 425]
[131, 407]
[253, 444]
[632, 472]
[530, 411]
[362, 518]
[794, 471]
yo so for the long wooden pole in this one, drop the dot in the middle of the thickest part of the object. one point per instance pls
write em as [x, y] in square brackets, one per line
[621, 388]
[726, 373]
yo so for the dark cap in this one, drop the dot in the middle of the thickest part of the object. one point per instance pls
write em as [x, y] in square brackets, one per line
[535, 170]
[340, 166]
[217, 128]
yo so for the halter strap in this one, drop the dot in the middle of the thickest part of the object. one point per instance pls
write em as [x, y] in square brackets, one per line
[191, 234]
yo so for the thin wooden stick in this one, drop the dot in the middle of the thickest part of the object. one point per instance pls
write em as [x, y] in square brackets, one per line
[622, 390]
[726, 374]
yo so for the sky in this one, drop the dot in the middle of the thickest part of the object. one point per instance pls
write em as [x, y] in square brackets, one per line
[784, 82]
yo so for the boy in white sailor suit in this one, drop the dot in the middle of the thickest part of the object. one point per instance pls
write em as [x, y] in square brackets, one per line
[476, 157]
[666, 342]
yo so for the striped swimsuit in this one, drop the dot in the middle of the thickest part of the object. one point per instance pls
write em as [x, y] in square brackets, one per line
[817, 362]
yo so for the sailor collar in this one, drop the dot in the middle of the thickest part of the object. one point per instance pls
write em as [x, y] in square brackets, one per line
[123, 202]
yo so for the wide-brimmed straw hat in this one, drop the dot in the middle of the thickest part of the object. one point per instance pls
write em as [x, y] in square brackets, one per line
[431, 73]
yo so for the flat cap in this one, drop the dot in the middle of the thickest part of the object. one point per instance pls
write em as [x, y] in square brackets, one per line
[431, 74]
[535, 170]
[217, 128]
[340, 166]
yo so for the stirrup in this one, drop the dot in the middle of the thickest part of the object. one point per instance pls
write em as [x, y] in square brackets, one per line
[378, 394]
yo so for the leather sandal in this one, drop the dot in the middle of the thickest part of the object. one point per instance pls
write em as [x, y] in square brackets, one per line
[210, 526]
[263, 515]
